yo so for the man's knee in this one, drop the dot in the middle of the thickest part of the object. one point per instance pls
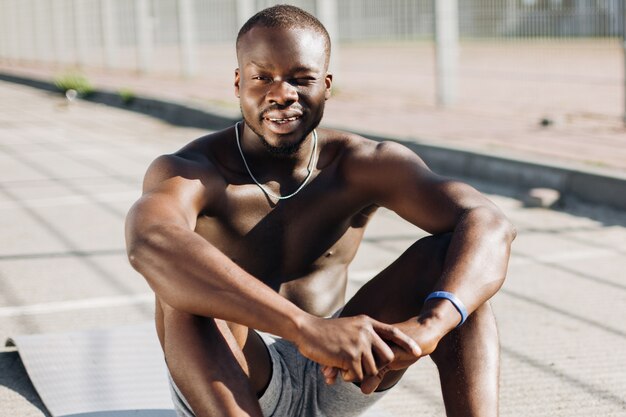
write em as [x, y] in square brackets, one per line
[432, 250]
[398, 291]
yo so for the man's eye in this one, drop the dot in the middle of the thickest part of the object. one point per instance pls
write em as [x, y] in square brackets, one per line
[261, 78]
[303, 81]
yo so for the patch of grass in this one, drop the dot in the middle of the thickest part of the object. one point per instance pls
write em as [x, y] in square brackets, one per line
[596, 163]
[127, 96]
[74, 81]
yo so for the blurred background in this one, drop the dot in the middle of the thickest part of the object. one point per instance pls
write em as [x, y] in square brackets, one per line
[543, 78]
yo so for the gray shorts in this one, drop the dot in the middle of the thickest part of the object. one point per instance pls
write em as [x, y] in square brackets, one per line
[297, 388]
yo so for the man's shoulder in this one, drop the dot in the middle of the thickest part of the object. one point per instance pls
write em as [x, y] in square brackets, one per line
[205, 153]
[197, 160]
[344, 139]
[206, 149]
[346, 147]
[358, 152]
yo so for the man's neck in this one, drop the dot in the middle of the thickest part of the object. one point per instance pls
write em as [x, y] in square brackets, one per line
[264, 162]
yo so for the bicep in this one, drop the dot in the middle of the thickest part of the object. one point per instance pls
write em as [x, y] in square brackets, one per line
[161, 206]
[405, 184]
[172, 196]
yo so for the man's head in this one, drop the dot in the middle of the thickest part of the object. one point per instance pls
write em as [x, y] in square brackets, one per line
[285, 16]
[282, 79]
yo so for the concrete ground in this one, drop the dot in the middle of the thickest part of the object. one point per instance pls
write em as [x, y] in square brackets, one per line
[68, 174]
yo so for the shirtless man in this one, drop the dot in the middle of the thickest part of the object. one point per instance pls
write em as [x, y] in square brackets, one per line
[252, 229]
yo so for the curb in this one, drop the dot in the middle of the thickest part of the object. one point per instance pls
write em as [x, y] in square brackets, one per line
[597, 187]
[171, 112]
[593, 186]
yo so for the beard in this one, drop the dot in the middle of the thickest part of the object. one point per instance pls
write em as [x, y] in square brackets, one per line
[280, 150]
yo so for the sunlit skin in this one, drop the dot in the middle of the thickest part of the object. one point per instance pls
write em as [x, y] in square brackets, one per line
[223, 258]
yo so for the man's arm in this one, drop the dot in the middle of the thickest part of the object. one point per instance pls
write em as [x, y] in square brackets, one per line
[392, 176]
[476, 263]
[187, 272]
[193, 276]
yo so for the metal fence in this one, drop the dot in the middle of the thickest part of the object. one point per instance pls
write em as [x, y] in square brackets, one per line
[128, 34]
[189, 37]
[410, 19]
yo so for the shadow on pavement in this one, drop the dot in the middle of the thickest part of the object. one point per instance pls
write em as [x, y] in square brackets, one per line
[14, 377]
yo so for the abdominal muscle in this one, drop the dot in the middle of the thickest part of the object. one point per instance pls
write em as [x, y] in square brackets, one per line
[320, 293]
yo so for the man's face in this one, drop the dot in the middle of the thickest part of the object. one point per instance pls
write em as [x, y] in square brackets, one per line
[282, 84]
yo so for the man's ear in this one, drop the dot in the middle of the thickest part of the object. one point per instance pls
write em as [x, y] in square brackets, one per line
[237, 78]
[328, 80]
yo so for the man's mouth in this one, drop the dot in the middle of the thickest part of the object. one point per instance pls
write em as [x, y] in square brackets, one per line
[282, 120]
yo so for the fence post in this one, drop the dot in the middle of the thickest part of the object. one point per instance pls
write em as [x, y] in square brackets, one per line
[109, 33]
[60, 52]
[327, 12]
[446, 50]
[5, 30]
[34, 32]
[4, 37]
[40, 25]
[187, 41]
[26, 28]
[245, 10]
[145, 39]
[13, 30]
[79, 31]
[624, 50]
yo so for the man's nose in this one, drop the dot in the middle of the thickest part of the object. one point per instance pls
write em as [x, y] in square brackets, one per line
[282, 92]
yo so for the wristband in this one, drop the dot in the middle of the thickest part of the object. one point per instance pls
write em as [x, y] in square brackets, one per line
[458, 304]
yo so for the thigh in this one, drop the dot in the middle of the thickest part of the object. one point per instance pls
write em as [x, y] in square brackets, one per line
[206, 348]
[398, 292]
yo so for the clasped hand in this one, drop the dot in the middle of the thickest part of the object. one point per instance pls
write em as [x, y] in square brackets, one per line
[361, 349]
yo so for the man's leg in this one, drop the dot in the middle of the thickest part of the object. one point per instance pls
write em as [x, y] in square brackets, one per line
[467, 358]
[219, 369]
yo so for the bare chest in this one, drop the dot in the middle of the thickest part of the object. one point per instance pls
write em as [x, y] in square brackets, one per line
[300, 246]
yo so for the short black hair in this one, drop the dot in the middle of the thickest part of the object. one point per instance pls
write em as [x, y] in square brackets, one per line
[285, 16]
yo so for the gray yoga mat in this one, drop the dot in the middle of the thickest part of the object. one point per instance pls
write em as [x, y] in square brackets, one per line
[118, 372]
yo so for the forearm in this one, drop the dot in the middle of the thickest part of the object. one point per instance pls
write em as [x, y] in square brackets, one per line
[191, 275]
[476, 262]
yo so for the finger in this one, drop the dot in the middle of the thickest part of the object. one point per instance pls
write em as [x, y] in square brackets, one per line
[370, 384]
[354, 373]
[383, 352]
[330, 374]
[398, 337]
[348, 375]
[369, 364]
